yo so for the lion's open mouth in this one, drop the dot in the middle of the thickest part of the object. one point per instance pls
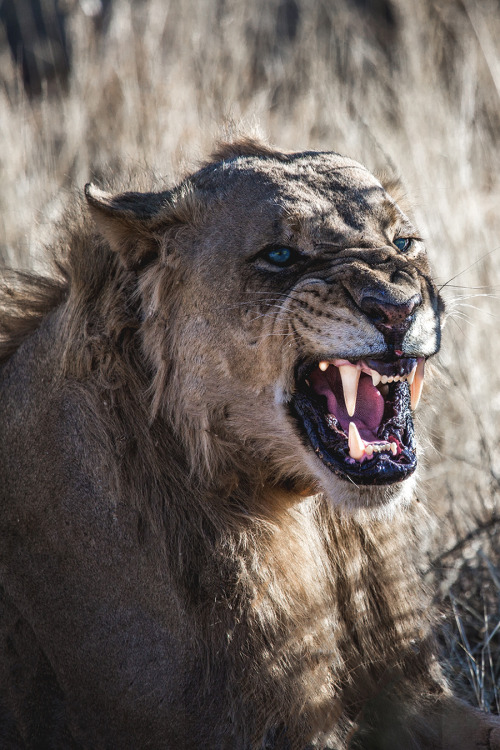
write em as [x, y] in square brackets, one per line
[357, 416]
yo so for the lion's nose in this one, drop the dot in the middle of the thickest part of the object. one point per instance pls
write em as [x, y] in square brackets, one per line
[390, 316]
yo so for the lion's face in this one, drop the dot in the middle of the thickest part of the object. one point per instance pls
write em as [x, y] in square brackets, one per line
[299, 323]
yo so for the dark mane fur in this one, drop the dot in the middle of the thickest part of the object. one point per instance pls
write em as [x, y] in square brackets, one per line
[25, 299]
[80, 265]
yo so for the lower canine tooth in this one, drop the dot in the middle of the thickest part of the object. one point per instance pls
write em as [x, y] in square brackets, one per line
[417, 384]
[411, 375]
[394, 449]
[356, 444]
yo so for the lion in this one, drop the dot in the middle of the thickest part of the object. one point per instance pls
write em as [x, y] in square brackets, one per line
[208, 458]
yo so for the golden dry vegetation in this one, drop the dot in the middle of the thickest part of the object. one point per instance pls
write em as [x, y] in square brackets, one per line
[411, 86]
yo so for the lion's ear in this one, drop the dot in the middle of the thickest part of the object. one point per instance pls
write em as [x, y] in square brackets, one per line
[130, 222]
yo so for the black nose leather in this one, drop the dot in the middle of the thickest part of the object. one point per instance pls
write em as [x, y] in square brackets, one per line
[389, 315]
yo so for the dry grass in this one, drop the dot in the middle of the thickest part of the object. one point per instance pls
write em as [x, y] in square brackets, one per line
[418, 88]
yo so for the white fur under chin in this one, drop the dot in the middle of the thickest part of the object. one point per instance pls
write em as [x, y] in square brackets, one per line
[363, 503]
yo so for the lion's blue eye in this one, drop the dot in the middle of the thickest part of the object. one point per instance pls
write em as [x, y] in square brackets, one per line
[280, 256]
[403, 243]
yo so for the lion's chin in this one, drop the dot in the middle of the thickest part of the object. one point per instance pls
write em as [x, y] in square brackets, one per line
[311, 477]
[362, 501]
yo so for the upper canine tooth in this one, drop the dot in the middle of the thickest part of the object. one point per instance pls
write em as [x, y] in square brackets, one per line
[356, 444]
[375, 377]
[417, 384]
[350, 379]
[323, 366]
[411, 375]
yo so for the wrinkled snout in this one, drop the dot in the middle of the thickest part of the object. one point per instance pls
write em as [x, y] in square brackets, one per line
[387, 315]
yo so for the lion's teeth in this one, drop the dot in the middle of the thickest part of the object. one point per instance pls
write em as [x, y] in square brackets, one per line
[359, 449]
[375, 377]
[356, 444]
[411, 375]
[323, 366]
[379, 447]
[417, 384]
[350, 379]
[384, 379]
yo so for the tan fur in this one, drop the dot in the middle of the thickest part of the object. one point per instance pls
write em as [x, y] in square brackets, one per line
[164, 370]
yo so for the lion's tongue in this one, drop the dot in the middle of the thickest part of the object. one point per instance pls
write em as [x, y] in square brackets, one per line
[369, 402]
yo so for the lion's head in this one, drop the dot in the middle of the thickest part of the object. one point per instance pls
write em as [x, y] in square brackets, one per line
[287, 311]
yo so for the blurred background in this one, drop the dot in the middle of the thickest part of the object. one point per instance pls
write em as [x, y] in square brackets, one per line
[121, 88]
